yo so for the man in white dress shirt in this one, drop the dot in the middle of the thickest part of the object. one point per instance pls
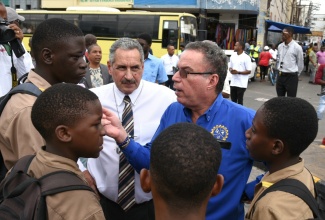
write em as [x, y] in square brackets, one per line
[170, 60]
[149, 101]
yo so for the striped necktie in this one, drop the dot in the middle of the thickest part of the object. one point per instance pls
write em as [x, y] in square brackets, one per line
[126, 193]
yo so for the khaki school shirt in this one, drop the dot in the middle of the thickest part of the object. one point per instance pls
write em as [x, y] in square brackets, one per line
[18, 136]
[281, 205]
[70, 205]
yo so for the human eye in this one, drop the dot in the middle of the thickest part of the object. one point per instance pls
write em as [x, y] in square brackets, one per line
[135, 68]
[121, 68]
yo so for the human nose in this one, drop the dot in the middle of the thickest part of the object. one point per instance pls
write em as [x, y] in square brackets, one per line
[176, 76]
[128, 74]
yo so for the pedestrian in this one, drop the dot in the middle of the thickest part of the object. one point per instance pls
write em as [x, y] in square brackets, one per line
[240, 67]
[181, 48]
[320, 80]
[265, 58]
[13, 66]
[170, 61]
[89, 40]
[198, 83]
[57, 61]
[321, 55]
[139, 104]
[71, 126]
[313, 64]
[270, 139]
[182, 191]
[154, 70]
[96, 73]
[290, 64]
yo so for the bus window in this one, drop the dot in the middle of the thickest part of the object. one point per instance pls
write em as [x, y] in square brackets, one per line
[188, 29]
[99, 25]
[133, 25]
[169, 34]
[31, 22]
[72, 18]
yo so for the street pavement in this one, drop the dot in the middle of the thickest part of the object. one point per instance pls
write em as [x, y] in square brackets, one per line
[259, 92]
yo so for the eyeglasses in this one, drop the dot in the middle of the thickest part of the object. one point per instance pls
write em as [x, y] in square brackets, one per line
[183, 73]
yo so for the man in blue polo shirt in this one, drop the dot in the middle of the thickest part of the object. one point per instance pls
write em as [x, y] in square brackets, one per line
[154, 70]
[198, 83]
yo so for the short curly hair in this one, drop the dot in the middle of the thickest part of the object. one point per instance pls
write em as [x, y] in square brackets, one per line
[292, 120]
[61, 104]
[184, 163]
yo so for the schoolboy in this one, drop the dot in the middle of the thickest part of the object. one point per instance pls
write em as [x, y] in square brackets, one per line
[58, 47]
[69, 119]
[282, 129]
[184, 162]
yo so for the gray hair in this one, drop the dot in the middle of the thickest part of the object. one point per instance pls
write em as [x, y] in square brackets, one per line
[125, 43]
[215, 57]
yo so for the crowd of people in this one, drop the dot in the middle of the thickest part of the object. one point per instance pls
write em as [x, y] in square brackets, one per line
[151, 151]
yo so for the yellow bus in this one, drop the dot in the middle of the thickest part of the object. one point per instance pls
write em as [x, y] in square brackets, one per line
[108, 26]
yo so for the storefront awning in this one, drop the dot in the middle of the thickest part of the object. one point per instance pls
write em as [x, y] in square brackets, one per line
[276, 26]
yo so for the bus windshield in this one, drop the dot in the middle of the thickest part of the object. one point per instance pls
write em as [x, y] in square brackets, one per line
[188, 29]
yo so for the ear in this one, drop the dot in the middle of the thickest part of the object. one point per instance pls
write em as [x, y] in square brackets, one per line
[47, 55]
[62, 133]
[109, 66]
[217, 186]
[145, 180]
[214, 79]
[278, 147]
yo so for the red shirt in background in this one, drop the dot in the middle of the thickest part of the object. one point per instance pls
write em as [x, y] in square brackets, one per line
[265, 56]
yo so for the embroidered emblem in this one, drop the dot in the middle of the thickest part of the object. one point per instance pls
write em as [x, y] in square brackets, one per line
[220, 132]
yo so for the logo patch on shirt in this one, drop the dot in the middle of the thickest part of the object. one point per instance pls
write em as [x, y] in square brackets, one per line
[220, 132]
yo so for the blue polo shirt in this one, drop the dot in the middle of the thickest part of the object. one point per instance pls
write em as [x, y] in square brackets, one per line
[227, 121]
[154, 70]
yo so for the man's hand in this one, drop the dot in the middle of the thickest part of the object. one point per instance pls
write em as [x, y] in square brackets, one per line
[19, 33]
[233, 71]
[91, 182]
[113, 126]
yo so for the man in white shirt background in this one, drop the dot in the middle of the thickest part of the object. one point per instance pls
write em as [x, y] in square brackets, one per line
[170, 60]
[240, 67]
[148, 102]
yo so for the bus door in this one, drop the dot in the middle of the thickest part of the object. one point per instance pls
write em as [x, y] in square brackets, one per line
[170, 29]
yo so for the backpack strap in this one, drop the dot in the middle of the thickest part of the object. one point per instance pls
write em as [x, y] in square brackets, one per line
[20, 167]
[57, 182]
[296, 188]
[25, 88]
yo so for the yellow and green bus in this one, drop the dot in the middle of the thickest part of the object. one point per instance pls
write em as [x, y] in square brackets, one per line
[108, 26]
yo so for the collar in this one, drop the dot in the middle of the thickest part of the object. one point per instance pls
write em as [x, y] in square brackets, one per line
[38, 81]
[150, 57]
[53, 160]
[211, 111]
[269, 179]
[133, 96]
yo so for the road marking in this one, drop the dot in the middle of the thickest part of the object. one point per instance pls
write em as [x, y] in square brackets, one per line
[261, 99]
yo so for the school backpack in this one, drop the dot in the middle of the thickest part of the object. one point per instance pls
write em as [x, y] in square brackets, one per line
[300, 190]
[26, 88]
[24, 197]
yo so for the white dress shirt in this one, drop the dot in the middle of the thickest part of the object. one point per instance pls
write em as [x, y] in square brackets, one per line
[149, 102]
[169, 62]
[240, 63]
[23, 65]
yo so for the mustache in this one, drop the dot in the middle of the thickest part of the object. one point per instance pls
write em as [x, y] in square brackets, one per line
[127, 81]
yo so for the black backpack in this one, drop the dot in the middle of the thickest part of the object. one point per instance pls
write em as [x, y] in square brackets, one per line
[24, 197]
[300, 190]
